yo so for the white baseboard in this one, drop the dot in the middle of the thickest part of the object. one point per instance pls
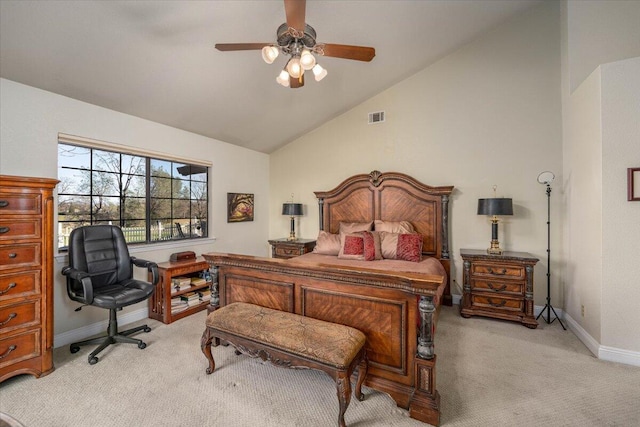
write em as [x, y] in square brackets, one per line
[97, 328]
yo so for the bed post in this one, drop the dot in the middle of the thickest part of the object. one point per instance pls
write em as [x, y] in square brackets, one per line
[445, 226]
[321, 216]
[214, 302]
[425, 402]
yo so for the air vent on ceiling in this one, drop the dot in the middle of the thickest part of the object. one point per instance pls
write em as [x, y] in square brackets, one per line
[377, 117]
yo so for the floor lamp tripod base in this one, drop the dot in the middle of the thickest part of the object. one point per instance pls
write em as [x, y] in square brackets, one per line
[549, 308]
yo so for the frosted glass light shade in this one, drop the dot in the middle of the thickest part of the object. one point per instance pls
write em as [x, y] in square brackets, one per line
[269, 54]
[294, 68]
[319, 72]
[283, 78]
[307, 60]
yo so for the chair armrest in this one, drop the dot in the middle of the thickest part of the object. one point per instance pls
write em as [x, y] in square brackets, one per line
[151, 266]
[84, 278]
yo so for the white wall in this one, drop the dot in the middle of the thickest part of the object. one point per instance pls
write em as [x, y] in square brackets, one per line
[621, 218]
[486, 114]
[600, 31]
[30, 120]
[583, 205]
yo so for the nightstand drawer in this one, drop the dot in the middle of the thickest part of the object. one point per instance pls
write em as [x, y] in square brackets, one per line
[497, 286]
[287, 251]
[497, 302]
[505, 271]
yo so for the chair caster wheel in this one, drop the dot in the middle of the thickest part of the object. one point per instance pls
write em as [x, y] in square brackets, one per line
[147, 329]
[93, 360]
[142, 345]
[74, 348]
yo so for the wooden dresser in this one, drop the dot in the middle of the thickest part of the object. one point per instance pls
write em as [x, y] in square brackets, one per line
[499, 286]
[284, 248]
[26, 276]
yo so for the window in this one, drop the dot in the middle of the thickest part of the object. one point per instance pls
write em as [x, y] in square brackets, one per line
[151, 199]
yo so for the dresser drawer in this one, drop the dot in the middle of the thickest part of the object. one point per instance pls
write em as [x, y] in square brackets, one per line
[499, 302]
[22, 255]
[20, 229]
[505, 271]
[19, 316]
[21, 284]
[15, 348]
[287, 251]
[20, 204]
[498, 286]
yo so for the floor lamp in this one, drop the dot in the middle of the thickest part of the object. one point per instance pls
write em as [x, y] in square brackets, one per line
[546, 178]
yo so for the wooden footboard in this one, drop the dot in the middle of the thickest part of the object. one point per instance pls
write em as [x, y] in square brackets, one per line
[397, 313]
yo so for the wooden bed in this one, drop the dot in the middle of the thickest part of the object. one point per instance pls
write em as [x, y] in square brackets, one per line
[397, 311]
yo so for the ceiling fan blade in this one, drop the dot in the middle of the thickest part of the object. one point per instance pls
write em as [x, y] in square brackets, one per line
[359, 53]
[296, 83]
[295, 11]
[225, 47]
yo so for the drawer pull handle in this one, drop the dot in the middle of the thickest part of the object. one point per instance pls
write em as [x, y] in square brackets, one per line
[11, 285]
[4, 230]
[9, 350]
[4, 203]
[493, 288]
[499, 273]
[13, 255]
[499, 304]
[9, 319]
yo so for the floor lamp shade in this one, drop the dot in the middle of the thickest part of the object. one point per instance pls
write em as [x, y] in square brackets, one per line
[495, 207]
[293, 210]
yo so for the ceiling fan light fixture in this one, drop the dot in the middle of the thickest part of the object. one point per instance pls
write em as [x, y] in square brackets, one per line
[283, 78]
[319, 72]
[295, 68]
[307, 60]
[269, 54]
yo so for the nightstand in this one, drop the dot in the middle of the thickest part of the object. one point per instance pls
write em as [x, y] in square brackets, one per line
[283, 248]
[499, 286]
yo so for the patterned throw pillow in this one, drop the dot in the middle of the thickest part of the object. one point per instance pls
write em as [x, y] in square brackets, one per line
[406, 246]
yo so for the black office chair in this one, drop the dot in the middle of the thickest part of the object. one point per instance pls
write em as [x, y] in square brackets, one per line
[100, 273]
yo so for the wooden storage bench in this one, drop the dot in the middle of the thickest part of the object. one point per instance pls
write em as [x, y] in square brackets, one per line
[292, 341]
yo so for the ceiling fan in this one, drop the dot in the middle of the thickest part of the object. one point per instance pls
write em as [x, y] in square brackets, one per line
[297, 39]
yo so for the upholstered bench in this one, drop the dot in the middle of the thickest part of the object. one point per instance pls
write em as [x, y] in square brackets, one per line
[293, 341]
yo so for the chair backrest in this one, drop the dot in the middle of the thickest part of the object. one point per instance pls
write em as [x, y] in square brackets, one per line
[101, 251]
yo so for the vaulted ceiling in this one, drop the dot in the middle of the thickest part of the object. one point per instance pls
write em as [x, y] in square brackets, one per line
[156, 59]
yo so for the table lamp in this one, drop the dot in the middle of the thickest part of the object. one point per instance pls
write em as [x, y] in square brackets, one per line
[293, 210]
[495, 207]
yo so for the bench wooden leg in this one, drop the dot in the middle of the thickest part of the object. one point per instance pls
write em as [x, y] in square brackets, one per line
[343, 385]
[205, 346]
[363, 367]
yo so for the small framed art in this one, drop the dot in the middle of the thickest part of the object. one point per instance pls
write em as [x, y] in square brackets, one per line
[239, 207]
[633, 184]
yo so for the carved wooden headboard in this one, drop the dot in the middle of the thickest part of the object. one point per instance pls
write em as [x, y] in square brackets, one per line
[391, 196]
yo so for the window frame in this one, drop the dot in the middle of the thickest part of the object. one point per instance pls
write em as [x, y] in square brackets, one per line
[195, 214]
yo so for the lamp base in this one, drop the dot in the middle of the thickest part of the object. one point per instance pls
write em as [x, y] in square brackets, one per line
[292, 238]
[495, 248]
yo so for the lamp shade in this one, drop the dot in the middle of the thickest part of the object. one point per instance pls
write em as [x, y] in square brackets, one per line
[496, 206]
[292, 209]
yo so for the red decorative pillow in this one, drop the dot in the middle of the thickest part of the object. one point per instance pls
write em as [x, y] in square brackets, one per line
[351, 246]
[409, 247]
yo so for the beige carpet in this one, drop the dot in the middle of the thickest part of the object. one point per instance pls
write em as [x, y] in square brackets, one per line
[490, 373]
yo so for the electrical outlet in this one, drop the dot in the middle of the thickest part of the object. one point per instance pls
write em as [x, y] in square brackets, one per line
[582, 310]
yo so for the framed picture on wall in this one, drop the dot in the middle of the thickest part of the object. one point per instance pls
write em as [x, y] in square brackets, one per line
[633, 184]
[239, 207]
